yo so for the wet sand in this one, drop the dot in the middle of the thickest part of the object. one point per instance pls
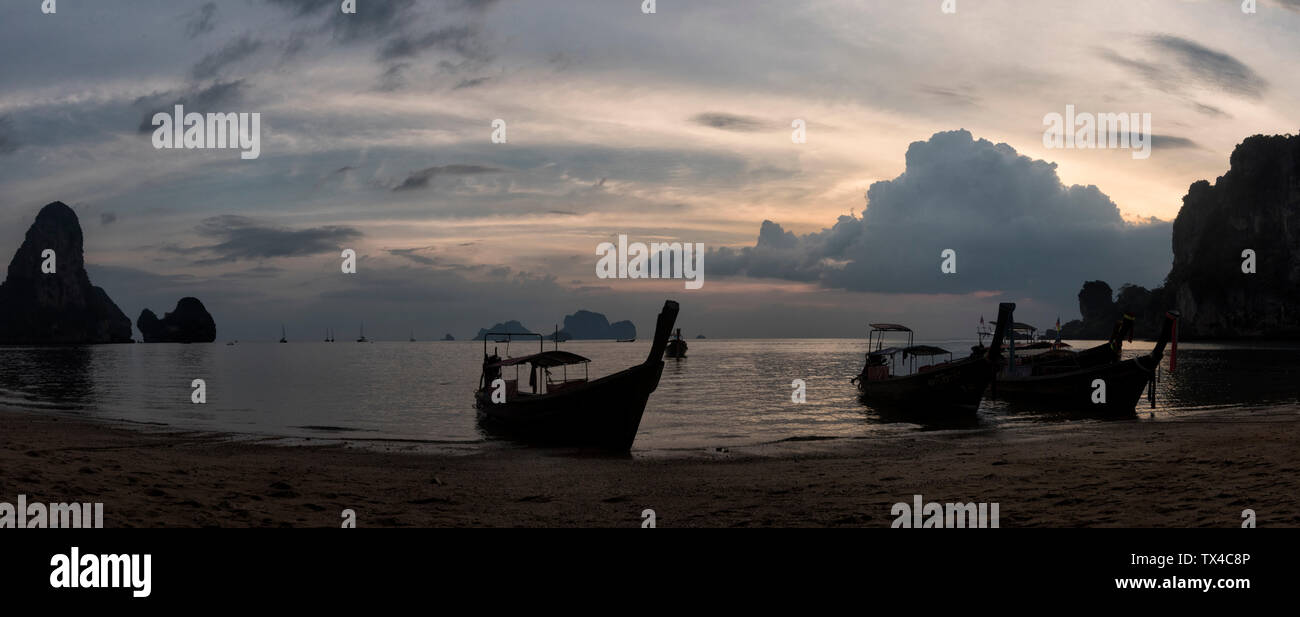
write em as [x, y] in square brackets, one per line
[1195, 472]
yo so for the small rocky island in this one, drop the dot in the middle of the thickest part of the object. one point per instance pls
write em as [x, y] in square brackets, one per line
[189, 322]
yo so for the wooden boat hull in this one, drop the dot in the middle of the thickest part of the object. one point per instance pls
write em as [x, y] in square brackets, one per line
[956, 388]
[604, 413]
[1125, 381]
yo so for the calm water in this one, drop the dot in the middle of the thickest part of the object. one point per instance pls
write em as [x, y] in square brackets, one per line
[727, 393]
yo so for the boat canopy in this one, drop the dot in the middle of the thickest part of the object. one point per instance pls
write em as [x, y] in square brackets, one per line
[545, 359]
[1023, 327]
[888, 351]
[890, 327]
[925, 350]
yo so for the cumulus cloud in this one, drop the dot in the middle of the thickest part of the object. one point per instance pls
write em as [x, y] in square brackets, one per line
[1014, 226]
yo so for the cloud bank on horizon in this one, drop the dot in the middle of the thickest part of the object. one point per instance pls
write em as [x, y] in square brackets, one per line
[1013, 226]
[671, 126]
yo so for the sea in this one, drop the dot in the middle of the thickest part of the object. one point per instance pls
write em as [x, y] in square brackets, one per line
[724, 394]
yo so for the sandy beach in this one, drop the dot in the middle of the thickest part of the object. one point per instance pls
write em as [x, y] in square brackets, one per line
[1197, 472]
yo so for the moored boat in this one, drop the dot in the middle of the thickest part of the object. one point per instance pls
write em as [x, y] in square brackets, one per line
[943, 388]
[603, 413]
[1076, 381]
[677, 346]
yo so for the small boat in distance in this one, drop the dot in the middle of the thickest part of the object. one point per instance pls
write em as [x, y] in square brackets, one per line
[412, 336]
[329, 336]
[603, 413]
[362, 338]
[283, 338]
[626, 340]
[677, 346]
[950, 386]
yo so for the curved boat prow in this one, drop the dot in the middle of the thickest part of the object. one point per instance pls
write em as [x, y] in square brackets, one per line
[1006, 311]
[1165, 332]
[663, 329]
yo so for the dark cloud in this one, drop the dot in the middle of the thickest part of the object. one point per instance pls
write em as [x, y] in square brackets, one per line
[464, 40]
[1211, 110]
[471, 83]
[259, 272]
[1014, 226]
[728, 122]
[951, 96]
[222, 96]
[1211, 67]
[203, 21]
[416, 255]
[1171, 142]
[212, 64]
[242, 238]
[372, 21]
[421, 179]
[8, 143]
[393, 77]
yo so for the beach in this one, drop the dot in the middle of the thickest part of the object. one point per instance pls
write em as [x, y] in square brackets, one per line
[1197, 471]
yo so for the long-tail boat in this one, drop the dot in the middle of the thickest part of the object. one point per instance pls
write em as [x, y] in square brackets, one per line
[676, 346]
[936, 388]
[558, 410]
[1075, 380]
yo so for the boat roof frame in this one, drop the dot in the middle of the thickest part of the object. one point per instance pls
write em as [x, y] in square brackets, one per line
[488, 337]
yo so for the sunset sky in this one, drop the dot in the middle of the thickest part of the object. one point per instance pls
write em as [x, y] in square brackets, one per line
[672, 126]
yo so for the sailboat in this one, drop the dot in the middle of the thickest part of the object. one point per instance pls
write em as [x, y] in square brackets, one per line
[329, 336]
[283, 338]
[412, 336]
[362, 338]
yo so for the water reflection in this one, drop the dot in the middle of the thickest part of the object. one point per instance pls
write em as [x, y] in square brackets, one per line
[58, 378]
[727, 393]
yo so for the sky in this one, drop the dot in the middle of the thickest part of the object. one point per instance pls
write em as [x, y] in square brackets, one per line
[924, 133]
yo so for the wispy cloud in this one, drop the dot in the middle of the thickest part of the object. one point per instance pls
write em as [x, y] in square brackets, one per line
[421, 179]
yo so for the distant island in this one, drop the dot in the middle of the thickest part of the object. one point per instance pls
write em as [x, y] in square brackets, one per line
[582, 325]
[587, 325]
[47, 297]
[1245, 221]
[509, 327]
[448, 337]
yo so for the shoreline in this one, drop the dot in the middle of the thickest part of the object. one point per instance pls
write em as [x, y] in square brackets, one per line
[1191, 472]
